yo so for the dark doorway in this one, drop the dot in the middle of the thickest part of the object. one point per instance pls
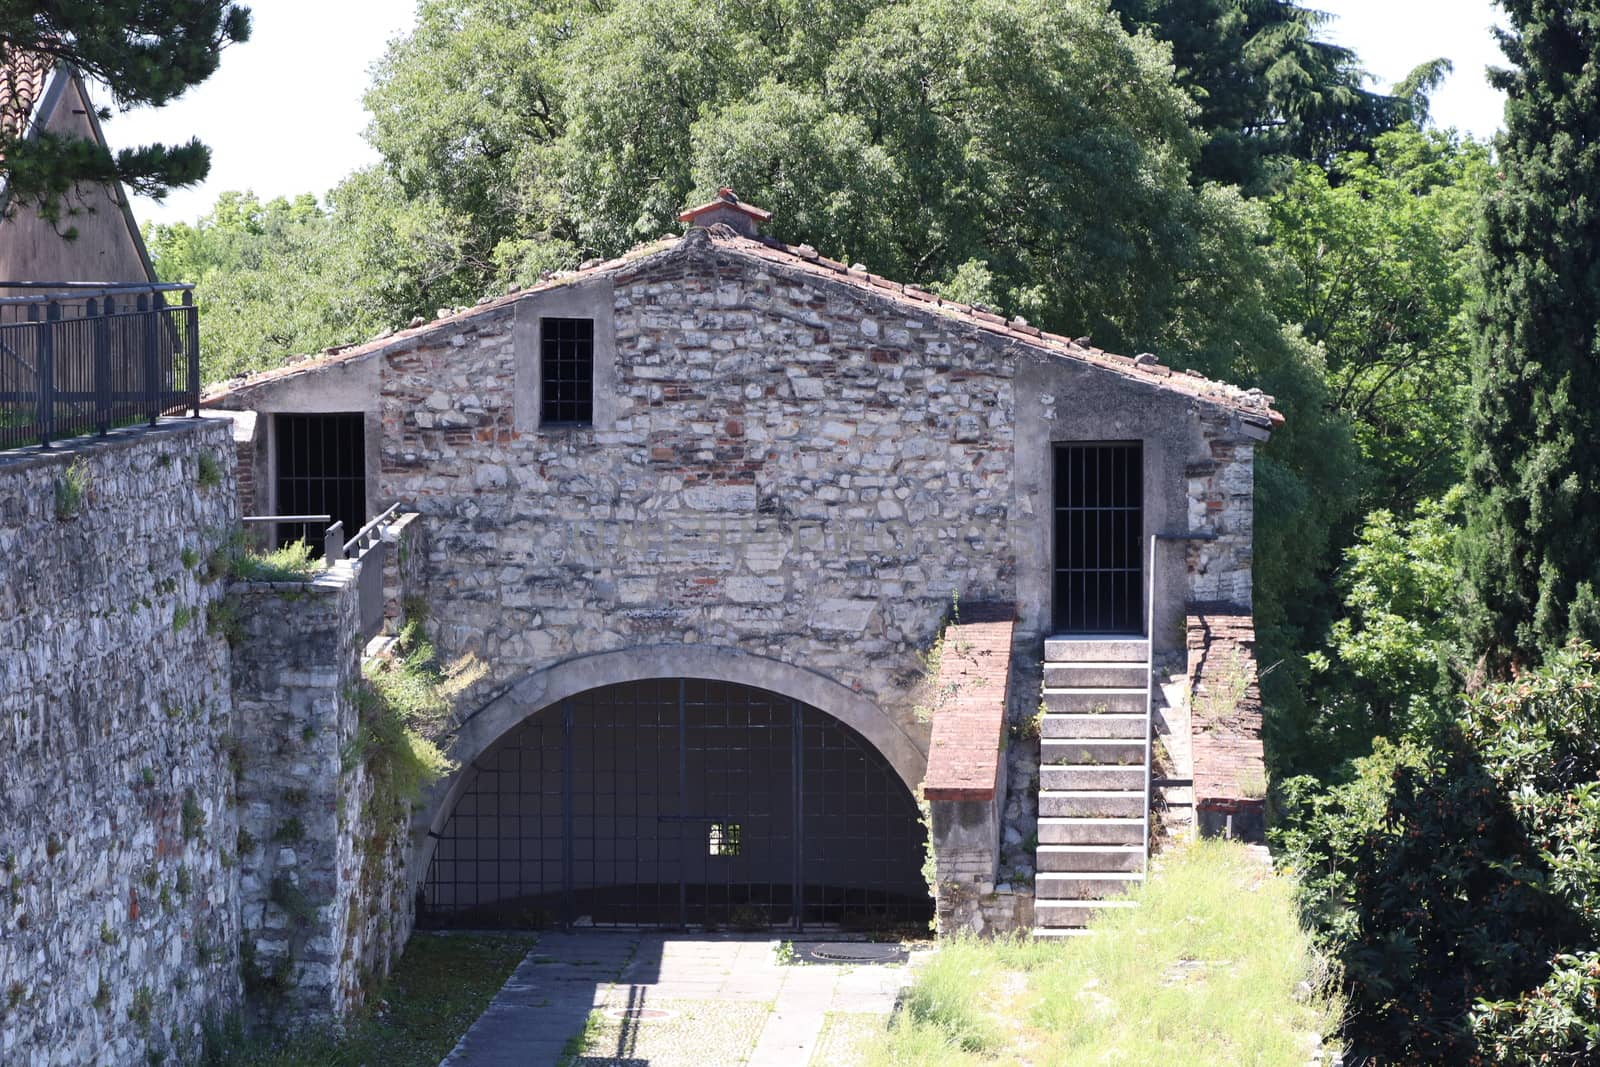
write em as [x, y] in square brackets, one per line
[321, 470]
[1099, 525]
[680, 802]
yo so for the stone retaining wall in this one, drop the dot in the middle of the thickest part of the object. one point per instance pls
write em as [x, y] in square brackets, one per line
[119, 929]
[324, 882]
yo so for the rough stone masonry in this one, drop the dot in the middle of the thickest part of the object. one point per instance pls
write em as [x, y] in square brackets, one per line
[790, 462]
[184, 833]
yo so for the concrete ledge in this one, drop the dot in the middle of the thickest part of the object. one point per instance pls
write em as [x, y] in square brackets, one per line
[64, 450]
[1230, 774]
[969, 714]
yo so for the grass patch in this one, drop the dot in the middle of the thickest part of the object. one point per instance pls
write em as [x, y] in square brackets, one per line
[291, 563]
[438, 989]
[1212, 967]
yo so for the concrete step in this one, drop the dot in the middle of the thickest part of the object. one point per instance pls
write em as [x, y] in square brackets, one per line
[1083, 885]
[1095, 700]
[1115, 751]
[1090, 724]
[1092, 803]
[1046, 933]
[1078, 776]
[1092, 673]
[1062, 915]
[1131, 649]
[1062, 831]
[1082, 858]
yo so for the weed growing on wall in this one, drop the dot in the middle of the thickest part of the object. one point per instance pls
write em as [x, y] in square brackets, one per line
[72, 490]
[407, 701]
[209, 475]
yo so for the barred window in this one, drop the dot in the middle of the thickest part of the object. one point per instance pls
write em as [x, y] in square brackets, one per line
[566, 372]
[723, 839]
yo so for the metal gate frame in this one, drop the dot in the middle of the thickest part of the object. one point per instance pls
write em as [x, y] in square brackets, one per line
[1114, 609]
[858, 818]
[306, 447]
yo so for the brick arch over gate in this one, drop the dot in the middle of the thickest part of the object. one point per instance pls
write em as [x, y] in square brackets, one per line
[543, 688]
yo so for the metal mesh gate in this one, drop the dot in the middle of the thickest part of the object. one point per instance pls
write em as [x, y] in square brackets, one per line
[1099, 524]
[679, 802]
[321, 470]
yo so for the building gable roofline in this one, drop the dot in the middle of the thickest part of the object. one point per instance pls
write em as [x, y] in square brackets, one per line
[52, 77]
[1252, 405]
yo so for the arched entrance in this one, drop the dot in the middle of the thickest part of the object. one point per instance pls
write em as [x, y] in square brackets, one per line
[680, 802]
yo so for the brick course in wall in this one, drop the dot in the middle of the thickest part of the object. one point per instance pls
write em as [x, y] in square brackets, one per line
[968, 707]
[1225, 721]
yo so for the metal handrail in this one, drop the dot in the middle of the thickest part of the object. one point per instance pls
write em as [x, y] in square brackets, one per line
[1149, 683]
[367, 533]
[83, 357]
[287, 518]
[75, 288]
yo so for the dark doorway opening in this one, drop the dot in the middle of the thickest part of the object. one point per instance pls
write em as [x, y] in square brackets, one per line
[680, 802]
[321, 470]
[1099, 525]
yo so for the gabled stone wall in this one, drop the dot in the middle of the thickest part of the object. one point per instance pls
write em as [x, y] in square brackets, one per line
[784, 465]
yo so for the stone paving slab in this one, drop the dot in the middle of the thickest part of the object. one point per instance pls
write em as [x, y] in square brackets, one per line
[726, 1000]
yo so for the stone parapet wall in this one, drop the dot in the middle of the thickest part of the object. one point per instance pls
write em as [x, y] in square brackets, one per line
[323, 874]
[1230, 776]
[118, 877]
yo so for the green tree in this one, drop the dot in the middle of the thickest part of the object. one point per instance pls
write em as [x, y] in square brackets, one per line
[1533, 574]
[1386, 669]
[1379, 256]
[146, 51]
[1269, 91]
[1456, 878]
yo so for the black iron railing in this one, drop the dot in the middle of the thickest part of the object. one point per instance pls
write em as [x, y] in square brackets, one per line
[81, 357]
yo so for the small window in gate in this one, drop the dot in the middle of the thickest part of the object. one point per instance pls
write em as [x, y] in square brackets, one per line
[566, 372]
[724, 839]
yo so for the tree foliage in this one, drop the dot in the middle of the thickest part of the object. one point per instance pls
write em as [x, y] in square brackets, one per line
[1379, 256]
[1532, 572]
[1457, 878]
[1386, 671]
[147, 51]
[1270, 92]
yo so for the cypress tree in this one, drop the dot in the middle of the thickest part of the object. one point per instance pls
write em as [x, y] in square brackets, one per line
[1532, 546]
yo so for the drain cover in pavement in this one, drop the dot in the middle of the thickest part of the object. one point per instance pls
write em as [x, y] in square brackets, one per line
[639, 1013]
[855, 952]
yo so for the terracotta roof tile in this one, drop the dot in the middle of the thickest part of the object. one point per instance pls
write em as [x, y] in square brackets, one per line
[23, 77]
[1252, 404]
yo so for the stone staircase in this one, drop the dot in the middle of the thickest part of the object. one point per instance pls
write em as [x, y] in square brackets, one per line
[1093, 776]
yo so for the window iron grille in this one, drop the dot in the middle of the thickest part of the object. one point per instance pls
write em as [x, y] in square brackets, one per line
[321, 470]
[1099, 527]
[566, 372]
[723, 839]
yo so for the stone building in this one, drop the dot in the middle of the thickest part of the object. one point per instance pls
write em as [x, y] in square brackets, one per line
[777, 568]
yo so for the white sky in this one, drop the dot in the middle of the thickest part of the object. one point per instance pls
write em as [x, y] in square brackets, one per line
[283, 115]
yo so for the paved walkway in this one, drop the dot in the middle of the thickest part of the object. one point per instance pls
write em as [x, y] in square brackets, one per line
[664, 1000]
